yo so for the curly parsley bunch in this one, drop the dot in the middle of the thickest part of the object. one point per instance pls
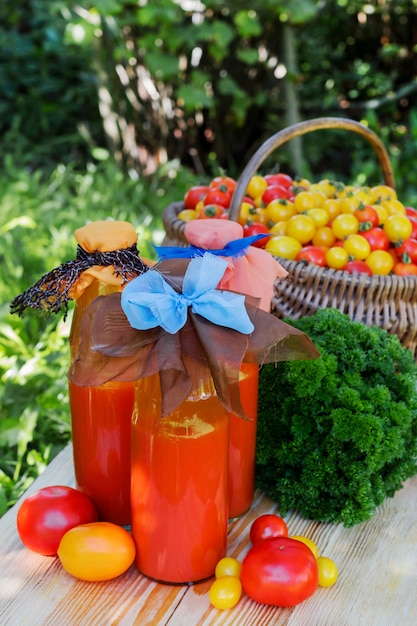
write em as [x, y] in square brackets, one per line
[338, 434]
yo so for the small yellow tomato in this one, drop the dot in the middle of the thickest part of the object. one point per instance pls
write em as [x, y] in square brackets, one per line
[357, 247]
[247, 213]
[308, 542]
[280, 228]
[380, 262]
[283, 246]
[279, 210]
[333, 206]
[324, 236]
[186, 215]
[319, 216]
[382, 213]
[301, 227]
[228, 566]
[381, 193]
[256, 186]
[303, 201]
[225, 592]
[345, 224]
[96, 551]
[394, 207]
[328, 571]
[337, 257]
[397, 228]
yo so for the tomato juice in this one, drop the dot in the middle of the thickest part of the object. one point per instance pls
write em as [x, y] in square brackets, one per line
[101, 433]
[243, 444]
[179, 484]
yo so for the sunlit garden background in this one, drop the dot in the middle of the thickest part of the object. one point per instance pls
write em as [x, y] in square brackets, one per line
[112, 109]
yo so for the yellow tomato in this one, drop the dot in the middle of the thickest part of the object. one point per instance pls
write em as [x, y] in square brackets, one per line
[357, 247]
[279, 210]
[301, 227]
[382, 213]
[247, 213]
[337, 257]
[324, 236]
[328, 572]
[333, 206]
[256, 186]
[186, 215]
[381, 193]
[96, 551]
[345, 224]
[380, 262]
[308, 542]
[319, 216]
[394, 207]
[225, 592]
[228, 566]
[397, 228]
[280, 228]
[303, 201]
[350, 204]
[327, 187]
[284, 246]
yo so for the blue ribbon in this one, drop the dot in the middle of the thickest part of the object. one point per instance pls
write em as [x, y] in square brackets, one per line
[149, 301]
[234, 248]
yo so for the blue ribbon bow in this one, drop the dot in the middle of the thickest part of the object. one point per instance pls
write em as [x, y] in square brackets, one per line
[149, 301]
[234, 248]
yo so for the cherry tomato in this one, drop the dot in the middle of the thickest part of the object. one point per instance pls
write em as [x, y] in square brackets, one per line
[397, 228]
[45, 516]
[324, 236]
[312, 254]
[194, 195]
[357, 267]
[357, 247]
[345, 224]
[319, 216]
[279, 210]
[224, 182]
[380, 262]
[407, 250]
[225, 592]
[413, 222]
[283, 246]
[208, 211]
[303, 201]
[377, 238]
[218, 195]
[247, 214]
[279, 179]
[410, 211]
[257, 229]
[279, 571]
[274, 192]
[96, 551]
[337, 257]
[328, 572]
[256, 186]
[367, 216]
[405, 269]
[228, 566]
[266, 527]
[308, 542]
[301, 227]
[186, 215]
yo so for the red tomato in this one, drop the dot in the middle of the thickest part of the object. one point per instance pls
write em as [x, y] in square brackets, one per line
[45, 516]
[210, 211]
[225, 182]
[357, 267]
[194, 195]
[284, 180]
[413, 221]
[377, 238]
[274, 192]
[218, 195]
[266, 527]
[312, 254]
[279, 571]
[257, 229]
[407, 250]
[405, 269]
[411, 211]
[367, 216]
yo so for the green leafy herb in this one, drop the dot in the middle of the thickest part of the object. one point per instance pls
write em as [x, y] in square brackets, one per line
[338, 435]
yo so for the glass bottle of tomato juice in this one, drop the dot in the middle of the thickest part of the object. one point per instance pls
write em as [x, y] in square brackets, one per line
[243, 444]
[101, 430]
[179, 489]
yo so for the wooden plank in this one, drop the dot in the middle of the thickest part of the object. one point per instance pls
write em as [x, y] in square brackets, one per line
[376, 587]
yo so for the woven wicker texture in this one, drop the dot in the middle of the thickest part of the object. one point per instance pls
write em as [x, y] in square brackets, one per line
[389, 302]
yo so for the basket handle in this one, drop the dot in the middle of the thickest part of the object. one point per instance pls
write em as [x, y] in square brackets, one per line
[301, 129]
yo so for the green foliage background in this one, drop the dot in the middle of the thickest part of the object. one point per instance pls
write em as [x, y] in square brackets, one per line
[112, 108]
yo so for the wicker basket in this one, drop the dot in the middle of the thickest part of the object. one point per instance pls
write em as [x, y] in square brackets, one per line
[389, 302]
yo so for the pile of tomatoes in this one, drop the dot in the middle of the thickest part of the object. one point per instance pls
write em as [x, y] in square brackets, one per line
[328, 223]
[278, 570]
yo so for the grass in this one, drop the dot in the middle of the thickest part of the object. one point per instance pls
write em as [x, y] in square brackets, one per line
[39, 215]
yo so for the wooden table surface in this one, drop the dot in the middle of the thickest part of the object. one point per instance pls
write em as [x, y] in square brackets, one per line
[377, 583]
